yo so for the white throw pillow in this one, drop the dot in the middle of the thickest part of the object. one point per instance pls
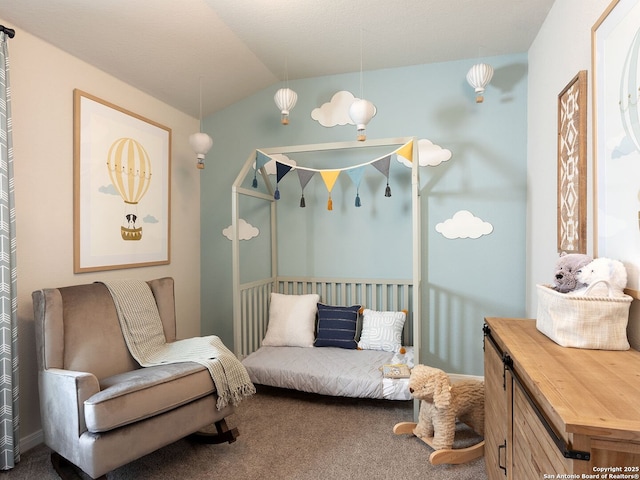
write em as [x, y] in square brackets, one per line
[292, 320]
[381, 330]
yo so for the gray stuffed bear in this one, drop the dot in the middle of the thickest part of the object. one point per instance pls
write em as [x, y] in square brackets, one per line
[567, 268]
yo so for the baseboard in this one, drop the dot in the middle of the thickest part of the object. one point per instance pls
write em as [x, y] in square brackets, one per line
[31, 441]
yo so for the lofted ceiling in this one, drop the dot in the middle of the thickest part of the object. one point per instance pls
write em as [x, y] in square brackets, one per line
[238, 47]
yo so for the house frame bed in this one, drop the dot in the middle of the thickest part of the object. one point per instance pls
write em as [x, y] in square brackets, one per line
[251, 299]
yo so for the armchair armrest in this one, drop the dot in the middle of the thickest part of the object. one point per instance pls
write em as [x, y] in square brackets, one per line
[62, 396]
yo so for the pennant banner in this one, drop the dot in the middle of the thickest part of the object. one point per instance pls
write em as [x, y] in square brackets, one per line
[384, 158]
[329, 176]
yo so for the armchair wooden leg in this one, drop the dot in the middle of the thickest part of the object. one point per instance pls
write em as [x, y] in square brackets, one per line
[67, 470]
[222, 434]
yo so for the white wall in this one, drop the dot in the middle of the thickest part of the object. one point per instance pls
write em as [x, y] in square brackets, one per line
[561, 49]
[42, 82]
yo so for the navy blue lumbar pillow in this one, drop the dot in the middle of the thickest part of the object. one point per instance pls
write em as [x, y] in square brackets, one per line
[337, 326]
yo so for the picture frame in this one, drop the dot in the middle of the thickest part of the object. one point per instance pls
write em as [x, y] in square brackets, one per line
[122, 187]
[572, 166]
[616, 150]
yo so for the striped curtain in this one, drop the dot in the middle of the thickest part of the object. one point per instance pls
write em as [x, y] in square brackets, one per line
[9, 412]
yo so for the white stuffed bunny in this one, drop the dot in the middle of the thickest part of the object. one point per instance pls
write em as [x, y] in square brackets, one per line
[612, 271]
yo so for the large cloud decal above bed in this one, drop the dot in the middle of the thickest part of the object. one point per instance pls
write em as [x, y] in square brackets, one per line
[336, 111]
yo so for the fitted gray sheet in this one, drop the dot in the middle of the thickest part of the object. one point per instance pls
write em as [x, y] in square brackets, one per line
[328, 371]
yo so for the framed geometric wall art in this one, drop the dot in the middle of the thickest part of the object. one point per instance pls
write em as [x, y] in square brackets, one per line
[572, 166]
[615, 47]
[122, 187]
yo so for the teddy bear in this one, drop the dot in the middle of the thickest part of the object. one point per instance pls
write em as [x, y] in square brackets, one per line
[567, 267]
[443, 402]
[602, 268]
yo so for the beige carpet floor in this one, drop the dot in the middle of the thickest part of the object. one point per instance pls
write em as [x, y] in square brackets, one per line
[292, 435]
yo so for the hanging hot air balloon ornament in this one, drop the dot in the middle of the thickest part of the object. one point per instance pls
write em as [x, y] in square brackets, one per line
[129, 168]
[479, 77]
[200, 142]
[361, 112]
[285, 99]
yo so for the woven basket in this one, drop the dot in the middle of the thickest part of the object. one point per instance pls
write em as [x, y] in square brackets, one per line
[583, 321]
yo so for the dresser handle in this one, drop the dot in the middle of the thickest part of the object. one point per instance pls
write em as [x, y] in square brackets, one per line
[500, 447]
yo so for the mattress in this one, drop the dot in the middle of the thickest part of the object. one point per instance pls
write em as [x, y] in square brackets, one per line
[329, 371]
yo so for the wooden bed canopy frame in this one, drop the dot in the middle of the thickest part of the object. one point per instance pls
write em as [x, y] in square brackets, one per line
[244, 346]
[249, 333]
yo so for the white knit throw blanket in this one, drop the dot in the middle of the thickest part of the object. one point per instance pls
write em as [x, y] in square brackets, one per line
[143, 332]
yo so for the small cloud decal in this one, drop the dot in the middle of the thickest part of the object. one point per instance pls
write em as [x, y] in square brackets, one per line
[429, 154]
[246, 230]
[464, 225]
[336, 111]
[150, 219]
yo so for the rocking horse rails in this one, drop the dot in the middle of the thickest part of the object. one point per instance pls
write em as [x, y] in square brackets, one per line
[584, 321]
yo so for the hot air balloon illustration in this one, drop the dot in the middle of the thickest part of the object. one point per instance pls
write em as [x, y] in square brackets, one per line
[129, 167]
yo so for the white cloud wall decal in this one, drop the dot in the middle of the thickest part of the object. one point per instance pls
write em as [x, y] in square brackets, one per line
[246, 230]
[464, 225]
[336, 111]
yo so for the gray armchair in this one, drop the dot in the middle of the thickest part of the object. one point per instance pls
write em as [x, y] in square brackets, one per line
[99, 408]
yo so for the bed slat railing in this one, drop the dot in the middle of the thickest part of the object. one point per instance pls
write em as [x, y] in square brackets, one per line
[381, 295]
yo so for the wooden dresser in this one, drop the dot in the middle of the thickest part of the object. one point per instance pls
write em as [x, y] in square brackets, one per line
[554, 412]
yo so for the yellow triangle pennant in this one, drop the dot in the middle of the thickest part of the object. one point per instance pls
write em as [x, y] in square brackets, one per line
[329, 177]
[406, 151]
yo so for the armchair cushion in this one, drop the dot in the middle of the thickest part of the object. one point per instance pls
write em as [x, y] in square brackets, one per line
[133, 396]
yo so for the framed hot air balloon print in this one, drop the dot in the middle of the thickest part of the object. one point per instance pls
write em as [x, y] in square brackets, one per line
[122, 189]
[616, 135]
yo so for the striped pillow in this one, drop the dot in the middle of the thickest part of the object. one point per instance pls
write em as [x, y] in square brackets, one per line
[337, 326]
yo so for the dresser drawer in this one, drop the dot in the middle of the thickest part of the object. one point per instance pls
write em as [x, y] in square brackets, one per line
[534, 452]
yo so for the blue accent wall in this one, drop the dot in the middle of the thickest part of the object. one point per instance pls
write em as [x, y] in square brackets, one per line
[464, 280]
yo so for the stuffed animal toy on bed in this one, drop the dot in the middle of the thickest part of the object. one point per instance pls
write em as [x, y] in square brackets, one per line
[567, 266]
[611, 271]
[443, 402]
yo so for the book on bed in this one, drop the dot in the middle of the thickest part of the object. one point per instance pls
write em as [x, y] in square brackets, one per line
[397, 370]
